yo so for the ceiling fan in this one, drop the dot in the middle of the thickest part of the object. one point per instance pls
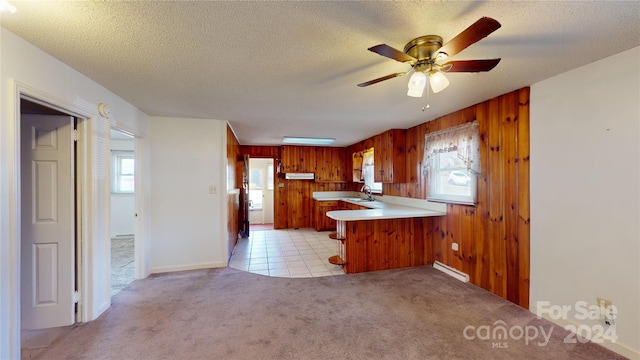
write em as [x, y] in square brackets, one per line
[425, 52]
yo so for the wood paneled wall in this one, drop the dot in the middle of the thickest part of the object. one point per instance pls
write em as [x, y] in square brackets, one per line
[293, 201]
[493, 237]
[234, 182]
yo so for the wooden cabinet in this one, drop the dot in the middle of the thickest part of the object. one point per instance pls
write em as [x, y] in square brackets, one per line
[349, 206]
[298, 159]
[331, 164]
[371, 245]
[327, 163]
[320, 219]
[390, 156]
[356, 171]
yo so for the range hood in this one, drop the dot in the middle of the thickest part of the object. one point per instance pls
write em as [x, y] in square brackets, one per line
[299, 176]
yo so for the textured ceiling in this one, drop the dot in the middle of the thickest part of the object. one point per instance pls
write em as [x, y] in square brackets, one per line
[291, 68]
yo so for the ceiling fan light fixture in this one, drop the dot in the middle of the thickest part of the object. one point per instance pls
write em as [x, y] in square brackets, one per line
[438, 81]
[416, 84]
[5, 6]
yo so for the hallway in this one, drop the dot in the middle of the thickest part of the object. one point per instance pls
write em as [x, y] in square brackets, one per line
[122, 263]
[286, 253]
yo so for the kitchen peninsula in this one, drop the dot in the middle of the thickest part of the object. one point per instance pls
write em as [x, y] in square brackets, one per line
[387, 233]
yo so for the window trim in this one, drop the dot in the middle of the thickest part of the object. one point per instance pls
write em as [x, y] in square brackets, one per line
[376, 187]
[464, 141]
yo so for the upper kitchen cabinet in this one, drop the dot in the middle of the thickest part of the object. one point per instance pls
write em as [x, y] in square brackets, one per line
[331, 164]
[356, 163]
[298, 159]
[390, 156]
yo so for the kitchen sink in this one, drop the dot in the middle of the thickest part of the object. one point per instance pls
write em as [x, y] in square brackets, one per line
[359, 200]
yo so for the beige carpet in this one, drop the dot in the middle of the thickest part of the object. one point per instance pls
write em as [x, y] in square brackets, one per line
[415, 313]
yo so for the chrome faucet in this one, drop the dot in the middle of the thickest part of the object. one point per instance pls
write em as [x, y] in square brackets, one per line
[366, 189]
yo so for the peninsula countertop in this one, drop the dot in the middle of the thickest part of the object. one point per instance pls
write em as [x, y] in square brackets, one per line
[384, 207]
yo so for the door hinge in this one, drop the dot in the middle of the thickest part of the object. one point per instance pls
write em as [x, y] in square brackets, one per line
[77, 297]
[75, 135]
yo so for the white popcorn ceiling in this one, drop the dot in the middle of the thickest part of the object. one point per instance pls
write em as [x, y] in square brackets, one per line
[291, 68]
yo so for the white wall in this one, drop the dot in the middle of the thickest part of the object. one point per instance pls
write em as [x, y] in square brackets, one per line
[585, 192]
[188, 223]
[25, 66]
[122, 206]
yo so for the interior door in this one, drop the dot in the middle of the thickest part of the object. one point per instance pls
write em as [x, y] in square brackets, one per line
[267, 202]
[48, 221]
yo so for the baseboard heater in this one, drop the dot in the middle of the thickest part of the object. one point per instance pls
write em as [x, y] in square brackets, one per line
[451, 271]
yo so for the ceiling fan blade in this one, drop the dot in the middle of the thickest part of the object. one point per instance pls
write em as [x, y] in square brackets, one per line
[375, 81]
[470, 35]
[391, 53]
[470, 65]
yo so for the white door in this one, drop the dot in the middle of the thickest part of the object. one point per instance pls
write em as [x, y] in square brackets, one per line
[48, 221]
[267, 201]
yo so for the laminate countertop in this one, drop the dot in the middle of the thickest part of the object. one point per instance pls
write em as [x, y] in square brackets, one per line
[379, 210]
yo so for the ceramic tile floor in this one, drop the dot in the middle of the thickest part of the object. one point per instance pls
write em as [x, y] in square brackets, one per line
[286, 253]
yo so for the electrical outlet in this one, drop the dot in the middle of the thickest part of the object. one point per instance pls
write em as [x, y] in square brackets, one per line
[454, 246]
[605, 310]
[213, 189]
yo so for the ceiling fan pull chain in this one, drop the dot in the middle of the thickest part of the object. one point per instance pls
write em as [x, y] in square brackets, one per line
[427, 106]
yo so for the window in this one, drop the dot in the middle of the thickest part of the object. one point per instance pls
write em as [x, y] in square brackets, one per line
[270, 177]
[452, 163]
[368, 171]
[123, 171]
[255, 189]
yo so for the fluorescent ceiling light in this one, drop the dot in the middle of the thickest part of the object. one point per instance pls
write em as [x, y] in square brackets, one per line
[307, 140]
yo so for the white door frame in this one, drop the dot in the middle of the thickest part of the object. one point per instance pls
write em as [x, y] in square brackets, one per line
[139, 228]
[33, 95]
[87, 221]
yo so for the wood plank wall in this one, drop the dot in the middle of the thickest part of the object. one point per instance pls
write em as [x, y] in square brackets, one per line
[234, 182]
[493, 237]
[294, 200]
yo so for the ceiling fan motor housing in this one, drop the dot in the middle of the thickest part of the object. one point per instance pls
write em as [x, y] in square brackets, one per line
[424, 49]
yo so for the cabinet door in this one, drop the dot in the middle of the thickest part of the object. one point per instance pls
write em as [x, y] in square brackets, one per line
[320, 219]
[298, 159]
[357, 167]
[389, 156]
[330, 164]
[379, 158]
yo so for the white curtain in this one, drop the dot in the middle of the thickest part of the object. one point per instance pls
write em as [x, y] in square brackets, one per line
[463, 139]
[367, 167]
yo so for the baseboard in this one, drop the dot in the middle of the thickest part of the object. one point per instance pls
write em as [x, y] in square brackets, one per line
[208, 265]
[617, 347]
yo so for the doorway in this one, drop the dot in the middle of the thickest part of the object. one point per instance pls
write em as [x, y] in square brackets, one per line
[49, 218]
[261, 174]
[122, 210]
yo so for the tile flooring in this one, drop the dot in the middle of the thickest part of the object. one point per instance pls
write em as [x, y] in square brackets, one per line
[286, 253]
